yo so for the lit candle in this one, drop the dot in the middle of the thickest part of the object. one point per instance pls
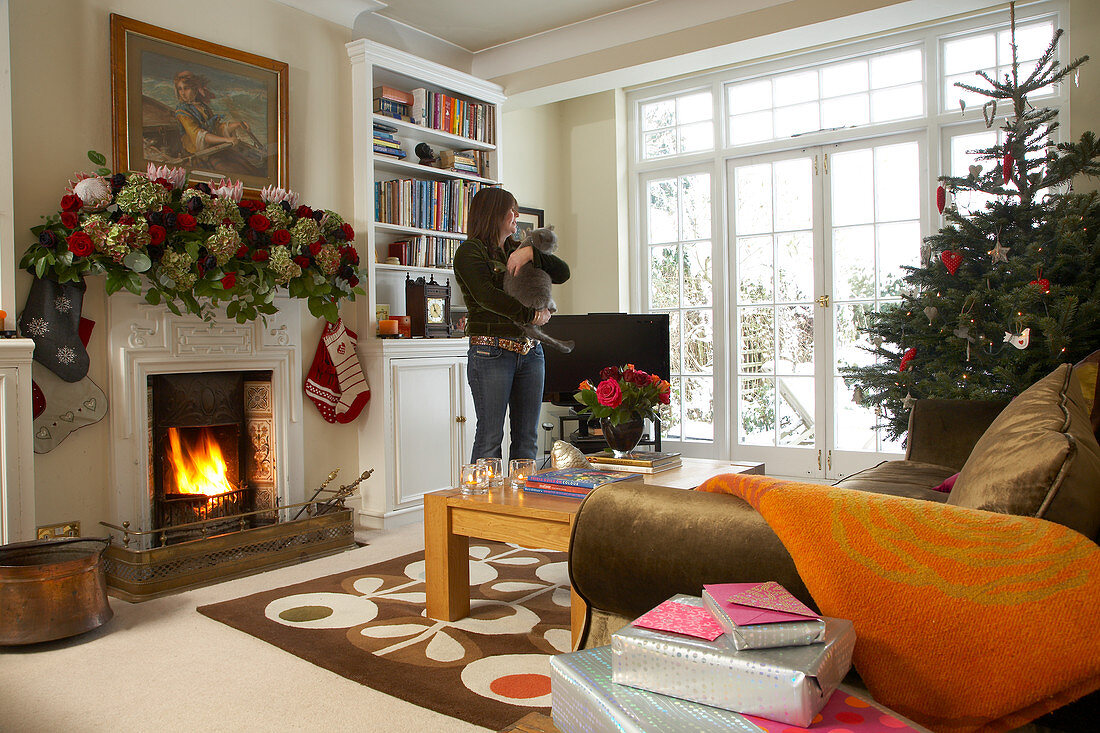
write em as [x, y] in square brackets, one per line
[387, 327]
[404, 326]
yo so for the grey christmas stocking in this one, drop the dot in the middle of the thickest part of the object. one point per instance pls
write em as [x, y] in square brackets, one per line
[51, 318]
[69, 406]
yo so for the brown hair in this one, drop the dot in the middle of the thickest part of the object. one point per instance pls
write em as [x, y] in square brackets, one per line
[487, 210]
[195, 81]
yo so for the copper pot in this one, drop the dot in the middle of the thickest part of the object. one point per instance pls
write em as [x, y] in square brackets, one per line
[51, 589]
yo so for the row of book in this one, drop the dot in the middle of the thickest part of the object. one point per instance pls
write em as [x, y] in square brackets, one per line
[637, 461]
[438, 205]
[438, 111]
[425, 251]
[577, 482]
[386, 144]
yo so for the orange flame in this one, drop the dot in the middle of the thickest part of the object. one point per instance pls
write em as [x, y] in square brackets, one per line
[201, 469]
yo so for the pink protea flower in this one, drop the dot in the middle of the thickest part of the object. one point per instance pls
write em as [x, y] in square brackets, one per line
[273, 195]
[229, 189]
[94, 192]
[77, 178]
[176, 176]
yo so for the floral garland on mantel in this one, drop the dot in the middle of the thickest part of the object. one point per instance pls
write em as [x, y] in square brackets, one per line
[194, 247]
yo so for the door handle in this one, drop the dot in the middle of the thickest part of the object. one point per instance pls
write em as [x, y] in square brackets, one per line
[823, 301]
[819, 460]
[829, 460]
[460, 418]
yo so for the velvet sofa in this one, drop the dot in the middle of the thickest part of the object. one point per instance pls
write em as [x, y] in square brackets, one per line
[634, 545]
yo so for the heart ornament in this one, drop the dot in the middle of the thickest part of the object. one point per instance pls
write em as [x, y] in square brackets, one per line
[90, 404]
[67, 416]
[951, 260]
[42, 434]
[1020, 340]
[1043, 285]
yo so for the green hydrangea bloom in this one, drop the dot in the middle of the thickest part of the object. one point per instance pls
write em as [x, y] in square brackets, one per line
[304, 233]
[281, 264]
[140, 195]
[123, 238]
[223, 244]
[177, 266]
[328, 259]
[279, 219]
[331, 222]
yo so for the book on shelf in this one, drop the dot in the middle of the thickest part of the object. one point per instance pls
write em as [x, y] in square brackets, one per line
[584, 478]
[551, 490]
[424, 251]
[397, 95]
[386, 143]
[392, 152]
[449, 114]
[634, 458]
[381, 135]
[424, 204]
[659, 468]
[383, 127]
[389, 107]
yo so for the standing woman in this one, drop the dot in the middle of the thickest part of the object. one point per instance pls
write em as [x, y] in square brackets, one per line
[505, 368]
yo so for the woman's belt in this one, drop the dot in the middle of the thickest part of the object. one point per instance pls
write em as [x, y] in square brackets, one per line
[520, 346]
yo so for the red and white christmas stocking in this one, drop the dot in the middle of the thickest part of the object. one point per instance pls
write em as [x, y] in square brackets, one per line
[335, 382]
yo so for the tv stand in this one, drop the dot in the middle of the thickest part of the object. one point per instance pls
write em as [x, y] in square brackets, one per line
[589, 443]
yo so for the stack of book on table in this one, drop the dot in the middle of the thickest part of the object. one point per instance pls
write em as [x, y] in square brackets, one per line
[636, 461]
[385, 143]
[572, 482]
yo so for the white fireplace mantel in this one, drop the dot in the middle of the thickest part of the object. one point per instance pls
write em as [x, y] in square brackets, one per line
[16, 446]
[145, 340]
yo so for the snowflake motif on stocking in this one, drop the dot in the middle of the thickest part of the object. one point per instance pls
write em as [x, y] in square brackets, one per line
[66, 355]
[62, 304]
[38, 327]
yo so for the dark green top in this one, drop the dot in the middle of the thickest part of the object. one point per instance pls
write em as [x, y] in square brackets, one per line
[480, 274]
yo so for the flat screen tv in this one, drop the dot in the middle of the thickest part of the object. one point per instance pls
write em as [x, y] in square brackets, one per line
[602, 339]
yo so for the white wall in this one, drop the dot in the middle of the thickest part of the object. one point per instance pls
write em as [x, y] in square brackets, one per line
[62, 108]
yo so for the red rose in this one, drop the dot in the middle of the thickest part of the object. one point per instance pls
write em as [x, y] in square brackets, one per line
[301, 261]
[186, 222]
[71, 202]
[304, 212]
[242, 251]
[252, 204]
[353, 281]
[350, 254]
[126, 219]
[281, 237]
[609, 394]
[229, 280]
[227, 222]
[260, 255]
[664, 397]
[80, 244]
[611, 372]
[349, 233]
[315, 248]
[259, 222]
[164, 182]
[156, 234]
[70, 220]
[636, 377]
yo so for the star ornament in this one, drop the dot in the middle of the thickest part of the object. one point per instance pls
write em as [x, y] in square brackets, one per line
[999, 253]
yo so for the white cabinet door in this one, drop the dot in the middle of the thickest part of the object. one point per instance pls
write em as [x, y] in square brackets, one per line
[427, 450]
[467, 414]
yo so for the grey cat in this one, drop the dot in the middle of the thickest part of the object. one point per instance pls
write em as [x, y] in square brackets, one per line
[531, 286]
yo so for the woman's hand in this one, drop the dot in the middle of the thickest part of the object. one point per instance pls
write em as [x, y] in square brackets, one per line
[519, 258]
[542, 316]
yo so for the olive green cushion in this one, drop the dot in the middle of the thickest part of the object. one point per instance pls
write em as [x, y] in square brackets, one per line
[913, 479]
[1039, 458]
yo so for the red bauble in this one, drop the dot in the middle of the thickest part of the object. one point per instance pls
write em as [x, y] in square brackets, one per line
[1007, 167]
[951, 260]
[907, 357]
[941, 198]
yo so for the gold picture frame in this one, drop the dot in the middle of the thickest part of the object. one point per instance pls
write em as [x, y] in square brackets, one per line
[185, 102]
[528, 220]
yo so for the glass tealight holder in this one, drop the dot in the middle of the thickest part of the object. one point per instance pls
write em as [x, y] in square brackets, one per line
[493, 469]
[472, 479]
[518, 471]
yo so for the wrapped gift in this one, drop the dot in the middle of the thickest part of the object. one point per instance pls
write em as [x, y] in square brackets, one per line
[762, 615]
[586, 700]
[787, 684]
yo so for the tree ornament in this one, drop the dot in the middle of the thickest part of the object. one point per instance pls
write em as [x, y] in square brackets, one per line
[925, 254]
[975, 170]
[941, 198]
[857, 395]
[907, 401]
[1006, 172]
[962, 106]
[1021, 340]
[951, 260]
[932, 312]
[1041, 282]
[989, 112]
[907, 357]
[999, 253]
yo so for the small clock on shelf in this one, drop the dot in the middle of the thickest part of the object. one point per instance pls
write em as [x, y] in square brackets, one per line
[429, 307]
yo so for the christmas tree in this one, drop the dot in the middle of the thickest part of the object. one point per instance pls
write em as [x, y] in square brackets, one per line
[1006, 293]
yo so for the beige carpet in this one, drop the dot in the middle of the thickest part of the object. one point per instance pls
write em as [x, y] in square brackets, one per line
[162, 666]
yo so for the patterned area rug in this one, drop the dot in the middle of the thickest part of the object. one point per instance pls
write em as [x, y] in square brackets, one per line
[368, 625]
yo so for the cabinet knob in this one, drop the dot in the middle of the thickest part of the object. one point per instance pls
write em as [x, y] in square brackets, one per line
[460, 418]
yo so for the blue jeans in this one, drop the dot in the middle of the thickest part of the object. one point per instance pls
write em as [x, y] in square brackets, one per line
[502, 380]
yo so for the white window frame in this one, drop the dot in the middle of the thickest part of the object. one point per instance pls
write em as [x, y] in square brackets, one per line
[937, 124]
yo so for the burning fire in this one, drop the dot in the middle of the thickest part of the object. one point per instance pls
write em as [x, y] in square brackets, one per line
[200, 469]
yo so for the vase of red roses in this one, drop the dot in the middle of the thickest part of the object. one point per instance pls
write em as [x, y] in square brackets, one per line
[623, 399]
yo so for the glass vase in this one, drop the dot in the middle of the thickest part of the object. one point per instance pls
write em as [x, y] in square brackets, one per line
[624, 437]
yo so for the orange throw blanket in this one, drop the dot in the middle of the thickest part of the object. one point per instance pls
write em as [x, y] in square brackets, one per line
[965, 620]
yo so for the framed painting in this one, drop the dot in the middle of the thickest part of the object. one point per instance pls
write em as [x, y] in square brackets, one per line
[184, 102]
[529, 219]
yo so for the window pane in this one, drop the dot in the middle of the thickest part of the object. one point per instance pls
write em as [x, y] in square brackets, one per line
[658, 144]
[750, 96]
[694, 108]
[697, 274]
[855, 424]
[699, 136]
[853, 262]
[672, 426]
[756, 407]
[664, 284]
[674, 350]
[968, 54]
[898, 245]
[698, 342]
[757, 344]
[1031, 42]
[751, 128]
[793, 88]
[754, 269]
[846, 78]
[852, 175]
[850, 339]
[698, 399]
[662, 211]
[798, 119]
[897, 103]
[695, 198]
[796, 339]
[658, 114]
[844, 111]
[897, 187]
[897, 68]
[794, 204]
[795, 262]
[962, 157]
[952, 94]
[796, 411]
[753, 196]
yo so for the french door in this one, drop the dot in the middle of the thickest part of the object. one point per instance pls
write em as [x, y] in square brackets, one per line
[818, 238]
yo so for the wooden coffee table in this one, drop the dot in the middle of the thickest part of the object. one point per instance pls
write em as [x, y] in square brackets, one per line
[537, 521]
